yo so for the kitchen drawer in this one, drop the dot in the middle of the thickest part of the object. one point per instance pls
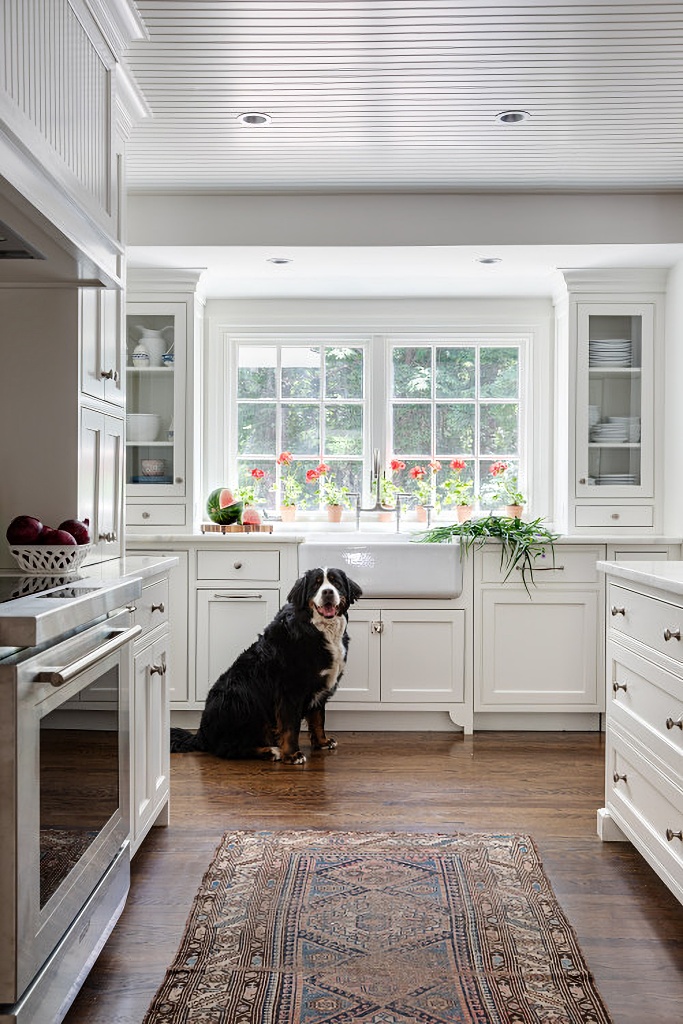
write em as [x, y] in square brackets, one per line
[647, 620]
[648, 803]
[238, 564]
[614, 515]
[571, 564]
[152, 606]
[648, 701]
[155, 515]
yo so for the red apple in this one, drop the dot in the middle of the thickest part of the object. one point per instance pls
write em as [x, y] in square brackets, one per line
[57, 538]
[78, 529]
[24, 530]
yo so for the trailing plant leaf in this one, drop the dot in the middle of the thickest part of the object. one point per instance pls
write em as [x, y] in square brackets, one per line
[521, 543]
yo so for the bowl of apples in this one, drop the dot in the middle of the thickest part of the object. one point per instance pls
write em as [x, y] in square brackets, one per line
[40, 550]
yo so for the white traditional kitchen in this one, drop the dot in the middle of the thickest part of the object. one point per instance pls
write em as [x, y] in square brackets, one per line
[174, 354]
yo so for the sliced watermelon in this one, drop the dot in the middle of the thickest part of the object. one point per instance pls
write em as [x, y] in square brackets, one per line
[223, 516]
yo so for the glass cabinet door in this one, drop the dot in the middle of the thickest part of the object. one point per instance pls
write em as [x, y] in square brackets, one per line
[155, 354]
[614, 416]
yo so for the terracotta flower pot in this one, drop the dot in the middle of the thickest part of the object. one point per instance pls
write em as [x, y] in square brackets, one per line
[514, 511]
[463, 512]
[288, 513]
[334, 513]
[386, 517]
[421, 512]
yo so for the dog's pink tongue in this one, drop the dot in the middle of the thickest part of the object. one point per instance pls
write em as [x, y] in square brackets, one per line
[328, 611]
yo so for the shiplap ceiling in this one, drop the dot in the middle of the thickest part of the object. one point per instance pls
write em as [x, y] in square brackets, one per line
[393, 96]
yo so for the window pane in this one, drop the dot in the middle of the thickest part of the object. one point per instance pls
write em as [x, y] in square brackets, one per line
[344, 373]
[300, 372]
[308, 498]
[455, 429]
[344, 430]
[412, 372]
[343, 473]
[487, 482]
[498, 427]
[412, 430]
[499, 373]
[256, 428]
[262, 489]
[300, 429]
[256, 371]
[455, 373]
[448, 492]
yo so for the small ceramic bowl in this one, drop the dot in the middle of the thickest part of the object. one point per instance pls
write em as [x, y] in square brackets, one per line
[152, 467]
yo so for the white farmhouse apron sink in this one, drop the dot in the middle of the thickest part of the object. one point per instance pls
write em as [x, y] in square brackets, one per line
[387, 565]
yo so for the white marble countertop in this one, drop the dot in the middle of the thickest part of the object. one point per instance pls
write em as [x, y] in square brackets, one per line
[660, 575]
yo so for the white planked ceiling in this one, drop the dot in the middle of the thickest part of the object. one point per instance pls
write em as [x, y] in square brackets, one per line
[386, 95]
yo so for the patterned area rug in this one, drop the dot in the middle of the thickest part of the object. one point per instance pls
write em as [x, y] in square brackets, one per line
[378, 928]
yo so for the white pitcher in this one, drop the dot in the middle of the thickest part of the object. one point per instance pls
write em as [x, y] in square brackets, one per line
[155, 343]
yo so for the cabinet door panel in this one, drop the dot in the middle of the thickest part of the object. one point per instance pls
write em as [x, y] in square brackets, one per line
[360, 681]
[150, 730]
[228, 621]
[423, 656]
[539, 654]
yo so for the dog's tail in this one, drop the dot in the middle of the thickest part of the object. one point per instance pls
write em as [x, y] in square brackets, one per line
[182, 741]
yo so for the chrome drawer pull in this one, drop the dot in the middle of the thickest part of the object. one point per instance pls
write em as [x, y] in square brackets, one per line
[670, 834]
[238, 597]
[617, 611]
[619, 686]
[118, 638]
[672, 634]
[619, 778]
[159, 607]
[543, 568]
[674, 723]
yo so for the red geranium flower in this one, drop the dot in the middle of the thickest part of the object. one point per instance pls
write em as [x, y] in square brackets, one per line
[458, 465]
[497, 468]
[417, 472]
[311, 476]
[258, 474]
[435, 465]
[284, 459]
[397, 465]
[322, 469]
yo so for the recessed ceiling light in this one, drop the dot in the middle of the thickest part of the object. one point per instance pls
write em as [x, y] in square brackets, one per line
[488, 259]
[513, 116]
[279, 260]
[254, 120]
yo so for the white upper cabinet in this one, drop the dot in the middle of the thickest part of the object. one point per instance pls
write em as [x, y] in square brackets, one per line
[609, 357]
[101, 349]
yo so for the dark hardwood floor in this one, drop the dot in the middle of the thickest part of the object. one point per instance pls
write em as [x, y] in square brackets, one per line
[550, 785]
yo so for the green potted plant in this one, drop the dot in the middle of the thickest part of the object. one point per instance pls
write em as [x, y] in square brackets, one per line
[507, 489]
[459, 491]
[332, 494]
[290, 488]
[388, 489]
[424, 478]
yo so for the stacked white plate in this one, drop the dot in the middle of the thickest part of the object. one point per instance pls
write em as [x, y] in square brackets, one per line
[609, 433]
[617, 479]
[593, 415]
[610, 352]
[631, 425]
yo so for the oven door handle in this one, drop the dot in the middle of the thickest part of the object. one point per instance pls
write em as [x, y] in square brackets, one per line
[119, 638]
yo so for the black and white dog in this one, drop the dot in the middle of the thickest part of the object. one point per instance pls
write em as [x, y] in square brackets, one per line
[255, 708]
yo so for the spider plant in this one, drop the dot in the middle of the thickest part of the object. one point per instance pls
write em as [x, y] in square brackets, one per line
[521, 542]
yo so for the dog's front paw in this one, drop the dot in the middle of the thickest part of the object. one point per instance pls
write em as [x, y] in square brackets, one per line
[327, 744]
[296, 758]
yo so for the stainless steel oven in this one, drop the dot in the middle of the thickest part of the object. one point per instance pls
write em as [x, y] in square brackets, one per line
[64, 815]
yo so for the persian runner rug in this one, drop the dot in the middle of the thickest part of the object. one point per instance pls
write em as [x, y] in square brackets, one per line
[377, 928]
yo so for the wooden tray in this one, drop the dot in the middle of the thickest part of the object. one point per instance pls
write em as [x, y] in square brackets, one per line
[237, 528]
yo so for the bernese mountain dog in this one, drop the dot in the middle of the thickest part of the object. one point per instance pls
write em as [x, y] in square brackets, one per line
[256, 707]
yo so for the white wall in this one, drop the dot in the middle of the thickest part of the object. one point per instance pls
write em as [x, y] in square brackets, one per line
[672, 455]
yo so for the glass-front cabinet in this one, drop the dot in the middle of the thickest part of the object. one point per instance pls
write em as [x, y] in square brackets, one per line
[155, 397]
[614, 409]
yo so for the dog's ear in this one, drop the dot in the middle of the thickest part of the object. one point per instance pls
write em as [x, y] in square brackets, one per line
[353, 591]
[298, 595]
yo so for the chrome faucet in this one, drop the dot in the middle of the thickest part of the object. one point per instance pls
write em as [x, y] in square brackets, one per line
[377, 482]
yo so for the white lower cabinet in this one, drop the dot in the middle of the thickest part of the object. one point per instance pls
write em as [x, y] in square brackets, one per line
[100, 483]
[399, 656]
[228, 621]
[644, 750]
[150, 738]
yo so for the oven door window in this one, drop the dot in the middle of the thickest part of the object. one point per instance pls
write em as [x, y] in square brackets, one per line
[79, 779]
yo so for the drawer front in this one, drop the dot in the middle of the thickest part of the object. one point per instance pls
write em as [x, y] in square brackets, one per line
[648, 701]
[238, 564]
[152, 606]
[650, 805]
[155, 515]
[614, 515]
[570, 565]
[655, 623]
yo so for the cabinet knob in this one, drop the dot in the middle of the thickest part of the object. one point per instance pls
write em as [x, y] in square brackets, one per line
[110, 375]
[672, 634]
[377, 626]
[158, 670]
[582, 479]
[675, 723]
[108, 537]
[146, 515]
[670, 834]
[619, 686]
[237, 565]
[614, 515]
[617, 611]
[158, 607]
[619, 778]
